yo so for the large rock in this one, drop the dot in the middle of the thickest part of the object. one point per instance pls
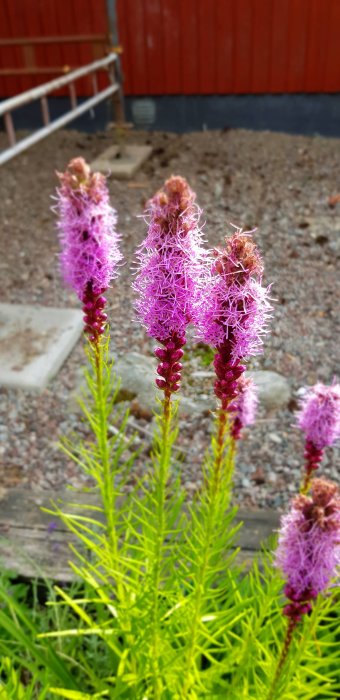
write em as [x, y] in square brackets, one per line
[273, 389]
[137, 375]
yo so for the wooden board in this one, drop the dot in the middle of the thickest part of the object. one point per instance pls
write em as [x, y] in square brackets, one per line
[34, 544]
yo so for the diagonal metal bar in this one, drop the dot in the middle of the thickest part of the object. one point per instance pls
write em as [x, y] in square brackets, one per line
[56, 124]
[41, 93]
[38, 92]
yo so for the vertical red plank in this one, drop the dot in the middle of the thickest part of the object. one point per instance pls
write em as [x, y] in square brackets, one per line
[298, 39]
[84, 23]
[279, 48]
[225, 46]
[17, 29]
[134, 10]
[154, 38]
[124, 41]
[260, 62]
[207, 42]
[317, 46]
[77, 13]
[243, 46]
[66, 24]
[49, 27]
[98, 24]
[34, 53]
[332, 72]
[189, 47]
[7, 54]
[171, 46]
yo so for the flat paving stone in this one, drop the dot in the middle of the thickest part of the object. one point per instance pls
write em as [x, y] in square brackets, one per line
[34, 342]
[122, 167]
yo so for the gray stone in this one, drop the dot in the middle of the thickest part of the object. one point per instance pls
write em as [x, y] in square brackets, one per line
[274, 438]
[137, 374]
[273, 389]
[203, 374]
[218, 189]
[34, 342]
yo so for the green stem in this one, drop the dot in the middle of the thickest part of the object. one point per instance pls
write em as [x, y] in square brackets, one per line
[283, 657]
[106, 481]
[304, 488]
[161, 482]
[222, 462]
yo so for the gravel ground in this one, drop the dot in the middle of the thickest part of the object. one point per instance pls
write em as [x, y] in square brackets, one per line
[276, 182]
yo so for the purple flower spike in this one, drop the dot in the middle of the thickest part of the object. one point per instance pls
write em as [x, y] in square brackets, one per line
[308, 550]
[170, 266]
[244, 406]
[319, 415]
[236, 311]
[89, 241]
[319, 418]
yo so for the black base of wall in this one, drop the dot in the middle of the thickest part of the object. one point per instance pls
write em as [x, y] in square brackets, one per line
[29, 117]
[294, 114]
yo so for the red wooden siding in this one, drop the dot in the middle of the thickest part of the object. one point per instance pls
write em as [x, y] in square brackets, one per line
[229, 46]
[185, 46]
[43, 18]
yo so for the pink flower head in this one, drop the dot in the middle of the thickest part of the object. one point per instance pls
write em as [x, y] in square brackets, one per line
[308, 550]
[237, 307]
[87, 223]
[319, 415]
[244, 405]
[169, 261]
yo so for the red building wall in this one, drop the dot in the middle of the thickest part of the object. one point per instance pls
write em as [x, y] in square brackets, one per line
[36, 18]
[186, 46]
[229, 46]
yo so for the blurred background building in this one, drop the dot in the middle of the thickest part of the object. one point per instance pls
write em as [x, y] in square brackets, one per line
[186, 64]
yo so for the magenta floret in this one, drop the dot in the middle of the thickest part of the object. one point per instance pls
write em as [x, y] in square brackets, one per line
[308, 550]
[319, 415]
[244, 406]
[170, 261]
[237, 306]
[236, 311]
[87, 222]
[169, 271]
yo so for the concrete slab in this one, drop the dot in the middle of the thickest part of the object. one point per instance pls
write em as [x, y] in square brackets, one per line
[123, 167]
[34, 342]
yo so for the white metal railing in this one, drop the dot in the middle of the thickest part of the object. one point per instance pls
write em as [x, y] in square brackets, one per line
[41, 93]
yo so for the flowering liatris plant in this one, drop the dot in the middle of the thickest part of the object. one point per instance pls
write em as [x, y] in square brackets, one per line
[89, 241]
[308, 553]
[233, 321]
[170, 261]
[89, 261]
[163, 610]
[236, 311]
[244, 406]
[167, 284]
[319, 418]
[309, 546]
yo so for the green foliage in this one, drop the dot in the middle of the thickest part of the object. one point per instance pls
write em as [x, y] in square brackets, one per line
[204, 352]
[161, 609]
